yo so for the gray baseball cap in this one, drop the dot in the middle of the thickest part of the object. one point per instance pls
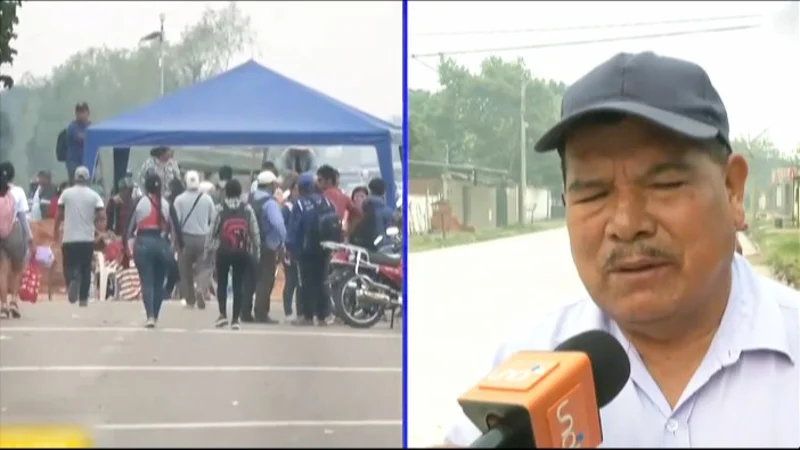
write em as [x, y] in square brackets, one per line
[82, 173]
[669, 92]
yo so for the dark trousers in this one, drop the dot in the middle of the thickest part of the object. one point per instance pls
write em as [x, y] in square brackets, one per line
[152, 255]
[77, 264]
[259, 281]
[173, 277]
[237, 266]
[291, 285]
[313, 291]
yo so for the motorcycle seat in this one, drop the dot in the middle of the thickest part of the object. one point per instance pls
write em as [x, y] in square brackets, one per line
[385, 259]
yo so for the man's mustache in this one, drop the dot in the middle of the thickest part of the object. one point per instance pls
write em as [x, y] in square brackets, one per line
[637, 251]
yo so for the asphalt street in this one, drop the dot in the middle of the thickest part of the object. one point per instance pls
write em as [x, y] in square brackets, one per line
[187, 384]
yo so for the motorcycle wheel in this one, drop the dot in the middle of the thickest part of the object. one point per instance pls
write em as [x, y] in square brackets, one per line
[337, 281]
[355, 315]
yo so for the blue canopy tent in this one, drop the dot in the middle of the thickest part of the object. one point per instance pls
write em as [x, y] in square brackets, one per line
[248, 105]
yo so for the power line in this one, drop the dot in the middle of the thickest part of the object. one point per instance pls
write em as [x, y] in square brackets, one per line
[584, 42]
[586, 27]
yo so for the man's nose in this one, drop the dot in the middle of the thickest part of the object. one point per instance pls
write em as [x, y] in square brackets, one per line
[629, 219]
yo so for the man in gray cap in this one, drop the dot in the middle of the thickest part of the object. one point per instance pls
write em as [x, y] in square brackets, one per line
[82, 212]
[653, 200]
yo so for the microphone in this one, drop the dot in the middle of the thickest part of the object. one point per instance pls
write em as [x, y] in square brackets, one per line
[549, 399]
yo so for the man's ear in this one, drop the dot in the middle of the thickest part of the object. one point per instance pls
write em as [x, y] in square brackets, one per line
[736, 171]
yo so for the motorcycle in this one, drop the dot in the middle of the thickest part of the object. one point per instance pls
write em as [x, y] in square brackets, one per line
[365, 284]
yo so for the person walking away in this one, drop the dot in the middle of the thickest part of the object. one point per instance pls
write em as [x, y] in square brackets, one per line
[291, 281]
[206, 269]
[15, 239]
[194, 213]
[161, 163]
[313, 221]
[235, 238]
[261, 277]
[82, 212]
[176, 188]
[76, 132]
[152, 251]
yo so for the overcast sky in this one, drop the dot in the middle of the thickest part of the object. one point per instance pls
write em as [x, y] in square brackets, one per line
[349, 50]
[757, 71]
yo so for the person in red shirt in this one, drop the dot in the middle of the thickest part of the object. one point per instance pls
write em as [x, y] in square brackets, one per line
[328, 182]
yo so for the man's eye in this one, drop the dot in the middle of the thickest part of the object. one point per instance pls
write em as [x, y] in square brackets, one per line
[592, 198]
[670, 185]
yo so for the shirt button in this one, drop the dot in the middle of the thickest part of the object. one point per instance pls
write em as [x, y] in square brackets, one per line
[672, 426]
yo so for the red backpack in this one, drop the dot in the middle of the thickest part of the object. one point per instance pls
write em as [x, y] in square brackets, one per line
[234, 230]
[8, 214]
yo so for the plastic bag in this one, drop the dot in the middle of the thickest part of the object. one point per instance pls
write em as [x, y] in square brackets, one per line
[44, 256]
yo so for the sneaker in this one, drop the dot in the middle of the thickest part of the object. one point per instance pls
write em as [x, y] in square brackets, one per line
[83, 303]
[248, 319]
[150, 323]
[201, 304]
[4, 314]
[235, 325]
[221, 322]
[72, 291]
[13, 311]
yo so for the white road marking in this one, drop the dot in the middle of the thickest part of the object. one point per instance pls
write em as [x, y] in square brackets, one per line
[12, 369]
[328, 334]
[3, 337]
[249, 424]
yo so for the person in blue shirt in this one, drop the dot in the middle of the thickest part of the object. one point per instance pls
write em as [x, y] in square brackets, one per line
[310, 256]
[291, 281]
[261, 279]
[378, 215]
[76, 132]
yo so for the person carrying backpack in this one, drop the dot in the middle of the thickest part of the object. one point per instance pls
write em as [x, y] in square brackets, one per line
[235, 238]
[313, 220]
[15, 240]
[261, 277]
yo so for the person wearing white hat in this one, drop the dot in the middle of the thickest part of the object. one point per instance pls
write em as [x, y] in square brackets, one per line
[261, 278]
[194, 215]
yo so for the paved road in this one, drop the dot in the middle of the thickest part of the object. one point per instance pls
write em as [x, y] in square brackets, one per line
[461, 300]
[187, 384]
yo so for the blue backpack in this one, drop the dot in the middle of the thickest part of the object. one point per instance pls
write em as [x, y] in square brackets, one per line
[324, 225]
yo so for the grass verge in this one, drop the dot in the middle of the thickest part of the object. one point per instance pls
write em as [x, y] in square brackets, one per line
[780, 251]
[419, 243]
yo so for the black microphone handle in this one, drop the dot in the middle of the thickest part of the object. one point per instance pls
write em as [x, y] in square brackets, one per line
[502, 437]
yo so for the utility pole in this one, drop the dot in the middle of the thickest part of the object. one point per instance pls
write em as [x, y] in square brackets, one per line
[161, 17]
[523, 164]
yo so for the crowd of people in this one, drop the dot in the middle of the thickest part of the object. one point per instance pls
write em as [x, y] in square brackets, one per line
[180, 231]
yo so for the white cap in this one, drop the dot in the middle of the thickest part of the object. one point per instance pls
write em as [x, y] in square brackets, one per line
[206, 187]
[192, 180]
[266, 177]
[82, 173]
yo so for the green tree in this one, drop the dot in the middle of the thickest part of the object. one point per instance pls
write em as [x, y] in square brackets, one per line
[475, 119]
[116, 80]
[8, 21]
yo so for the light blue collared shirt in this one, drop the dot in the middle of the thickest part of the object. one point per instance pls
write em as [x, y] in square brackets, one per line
[276, 230]
[746, 392]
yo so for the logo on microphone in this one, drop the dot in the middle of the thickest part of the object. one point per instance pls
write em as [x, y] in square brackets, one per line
[569, 437]
[568, 419]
